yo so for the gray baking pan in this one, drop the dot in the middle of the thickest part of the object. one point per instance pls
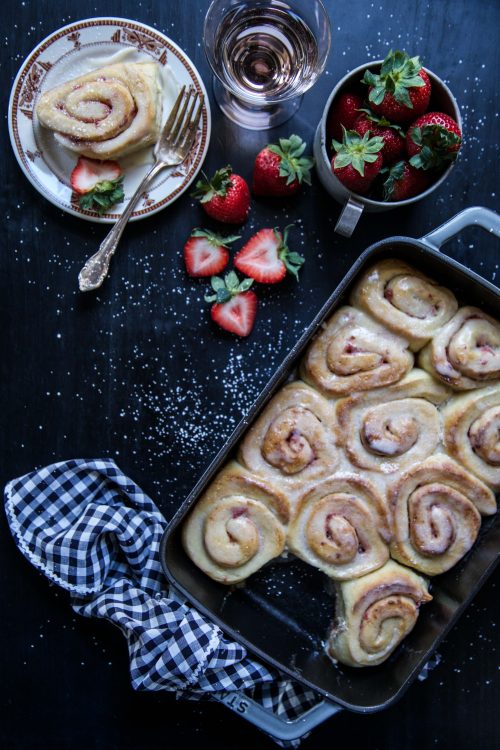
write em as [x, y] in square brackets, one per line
[282, 614]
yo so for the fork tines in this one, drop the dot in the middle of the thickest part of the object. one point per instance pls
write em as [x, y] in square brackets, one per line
[183, 121]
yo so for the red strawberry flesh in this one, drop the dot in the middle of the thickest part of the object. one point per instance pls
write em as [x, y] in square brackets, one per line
[259, 257]
[89, 172]
[237, 315]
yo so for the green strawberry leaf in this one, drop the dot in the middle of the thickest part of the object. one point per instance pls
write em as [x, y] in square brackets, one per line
[104, 195]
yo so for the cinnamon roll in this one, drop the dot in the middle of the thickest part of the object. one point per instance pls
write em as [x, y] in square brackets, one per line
[341, 527]
[465, 353]
[436, 509]
[354, 353]
[404, 300]
[237, 526]
[293, 442]
[472, 432]
[374, 613]
[105, 114]
[391, 428]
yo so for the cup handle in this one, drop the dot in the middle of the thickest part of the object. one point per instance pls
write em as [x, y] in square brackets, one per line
[349, 217]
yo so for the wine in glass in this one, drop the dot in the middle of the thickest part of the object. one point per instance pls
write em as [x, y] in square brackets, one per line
[265, 54]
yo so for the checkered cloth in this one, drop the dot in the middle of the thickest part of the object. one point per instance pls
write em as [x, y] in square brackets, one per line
[92, 531]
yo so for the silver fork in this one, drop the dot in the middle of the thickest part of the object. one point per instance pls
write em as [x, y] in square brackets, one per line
[173, 146]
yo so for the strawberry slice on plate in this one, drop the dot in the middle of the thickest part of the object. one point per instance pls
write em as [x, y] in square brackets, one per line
[98, 183]
[267, 258]
[206, 253]
[234, 307]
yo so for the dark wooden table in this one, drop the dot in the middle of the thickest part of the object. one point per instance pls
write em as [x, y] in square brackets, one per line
[138, 373]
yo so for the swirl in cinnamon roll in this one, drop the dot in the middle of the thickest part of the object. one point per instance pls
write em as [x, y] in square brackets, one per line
[391, 428]
[465, 353]
[472, 432]
[404, 300]
[354, 353]
[374, 613]
[341, 527]
[237, 526]
[108, 113]
[293, 441]
[436, 514]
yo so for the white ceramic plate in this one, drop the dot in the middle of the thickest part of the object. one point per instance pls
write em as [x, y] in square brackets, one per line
[70, 52]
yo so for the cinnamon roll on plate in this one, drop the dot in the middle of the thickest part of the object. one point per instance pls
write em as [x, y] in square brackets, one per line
[108, 113]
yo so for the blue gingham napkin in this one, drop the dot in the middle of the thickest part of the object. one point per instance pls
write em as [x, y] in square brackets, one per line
[92, 531]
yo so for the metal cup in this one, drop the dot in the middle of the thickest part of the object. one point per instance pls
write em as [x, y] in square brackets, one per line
[442, 100]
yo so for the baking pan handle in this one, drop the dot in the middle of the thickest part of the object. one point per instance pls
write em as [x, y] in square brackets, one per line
[475, 215]
[264, 719]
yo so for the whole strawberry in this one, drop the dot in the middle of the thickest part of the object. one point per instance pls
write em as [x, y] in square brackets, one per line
[279, 170]
[433, 140]
[225, 197]
[402, 89]
[404, 181]
[234, 306]
[394, 141]
[343, 112]
[357, 161]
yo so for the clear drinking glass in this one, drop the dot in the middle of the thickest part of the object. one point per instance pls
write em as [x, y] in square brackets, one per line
[265, 54]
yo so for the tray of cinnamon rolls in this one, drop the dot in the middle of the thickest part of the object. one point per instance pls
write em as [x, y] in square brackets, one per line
[352, 515]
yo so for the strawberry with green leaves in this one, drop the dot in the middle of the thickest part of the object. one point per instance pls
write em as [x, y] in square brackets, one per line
[404, 181]
[234, 306]
[225, 197]
[98, 183]
[394, 140]
[266, 257]
[206, 253]
[280, 170]
[402, 89]
[358, 160]
[433, 141]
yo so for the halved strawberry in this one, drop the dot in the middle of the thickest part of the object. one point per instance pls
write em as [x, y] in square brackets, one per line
[206, 253]
[99, 183]
[266, 257]
[234, 307]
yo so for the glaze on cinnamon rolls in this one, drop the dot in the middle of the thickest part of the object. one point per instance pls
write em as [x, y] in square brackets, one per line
[105, 114]
[293, 442]
[391, 428]
[437, 507]
[237, 526]
[374, 613]
[404, 300]
[465, 353]
[472, 432]
[341, 527]
[354, 353]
